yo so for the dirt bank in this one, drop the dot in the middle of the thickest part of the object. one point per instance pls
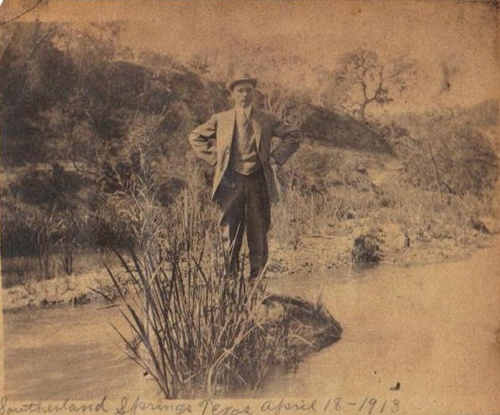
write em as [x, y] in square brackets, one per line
[317, 253]
[313, 254]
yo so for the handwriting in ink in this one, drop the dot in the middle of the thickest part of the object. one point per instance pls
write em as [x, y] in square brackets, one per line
[211, 407]
[289, 406]
[65, 406]
[367, 406]
[133, 407]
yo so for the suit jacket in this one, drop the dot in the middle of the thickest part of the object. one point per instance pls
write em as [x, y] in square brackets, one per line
[212, 142]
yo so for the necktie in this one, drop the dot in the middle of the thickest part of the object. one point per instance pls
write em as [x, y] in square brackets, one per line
[244, 124]
[246, 121]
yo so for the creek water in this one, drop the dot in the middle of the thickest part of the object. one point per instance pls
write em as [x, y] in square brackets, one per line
[426, 337]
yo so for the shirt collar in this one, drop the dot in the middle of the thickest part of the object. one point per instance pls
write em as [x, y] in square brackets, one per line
[244, 111]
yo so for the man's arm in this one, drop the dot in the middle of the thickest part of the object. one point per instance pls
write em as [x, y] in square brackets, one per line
[202, 139]
[289, 141]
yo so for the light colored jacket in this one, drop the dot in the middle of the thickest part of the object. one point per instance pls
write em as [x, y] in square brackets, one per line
[212, 142]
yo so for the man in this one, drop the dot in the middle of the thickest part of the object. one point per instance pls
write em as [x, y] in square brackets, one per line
[238, 144]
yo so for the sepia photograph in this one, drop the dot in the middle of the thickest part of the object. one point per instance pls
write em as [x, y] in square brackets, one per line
[281, 207]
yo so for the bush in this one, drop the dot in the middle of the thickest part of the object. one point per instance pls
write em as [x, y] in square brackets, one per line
[366, 249]
[19, 236]
[442, 152]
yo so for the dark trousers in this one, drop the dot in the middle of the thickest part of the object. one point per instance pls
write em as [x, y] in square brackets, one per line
[244, 205]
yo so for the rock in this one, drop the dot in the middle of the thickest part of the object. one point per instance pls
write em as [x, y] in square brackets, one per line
[486, 224]
[311, 326]
[478, 225]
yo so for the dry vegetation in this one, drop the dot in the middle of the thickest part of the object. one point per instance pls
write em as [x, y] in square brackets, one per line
[113, 185]
[194, 325]
[199, 330]
[409, 181]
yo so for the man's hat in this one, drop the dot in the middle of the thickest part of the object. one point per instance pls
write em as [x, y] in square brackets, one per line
[241, 77]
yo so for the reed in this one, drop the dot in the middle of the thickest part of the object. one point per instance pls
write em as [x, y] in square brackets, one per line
[195, 326]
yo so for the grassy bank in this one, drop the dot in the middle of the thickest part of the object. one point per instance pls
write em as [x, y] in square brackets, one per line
[306, 253]
[412, 187]
[339, 207]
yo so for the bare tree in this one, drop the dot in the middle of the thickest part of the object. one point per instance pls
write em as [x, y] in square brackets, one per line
[362, 80]
[276, 99]
[203, 61]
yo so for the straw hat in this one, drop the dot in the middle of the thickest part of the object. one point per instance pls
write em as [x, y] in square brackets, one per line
[240, 77]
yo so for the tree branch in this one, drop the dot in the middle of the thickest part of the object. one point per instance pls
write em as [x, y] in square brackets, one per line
[18, 16]
[378, 91]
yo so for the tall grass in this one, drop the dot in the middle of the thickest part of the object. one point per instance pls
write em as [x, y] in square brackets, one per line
[196, 327]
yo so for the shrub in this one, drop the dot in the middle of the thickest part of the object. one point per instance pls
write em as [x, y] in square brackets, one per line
[366, 249]
[442, 152]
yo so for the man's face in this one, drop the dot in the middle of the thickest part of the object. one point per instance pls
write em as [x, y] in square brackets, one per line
[243, 93]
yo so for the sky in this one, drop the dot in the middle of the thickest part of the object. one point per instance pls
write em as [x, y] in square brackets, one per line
[462, 35]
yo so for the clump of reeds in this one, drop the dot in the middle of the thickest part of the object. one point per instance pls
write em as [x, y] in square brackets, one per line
[196, 327]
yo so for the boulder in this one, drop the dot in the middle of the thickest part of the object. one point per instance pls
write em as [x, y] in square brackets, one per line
[310, 327]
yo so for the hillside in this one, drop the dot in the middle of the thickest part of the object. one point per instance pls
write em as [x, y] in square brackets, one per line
[81, 125]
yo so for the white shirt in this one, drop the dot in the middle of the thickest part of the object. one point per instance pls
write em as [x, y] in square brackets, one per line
[242, 115]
